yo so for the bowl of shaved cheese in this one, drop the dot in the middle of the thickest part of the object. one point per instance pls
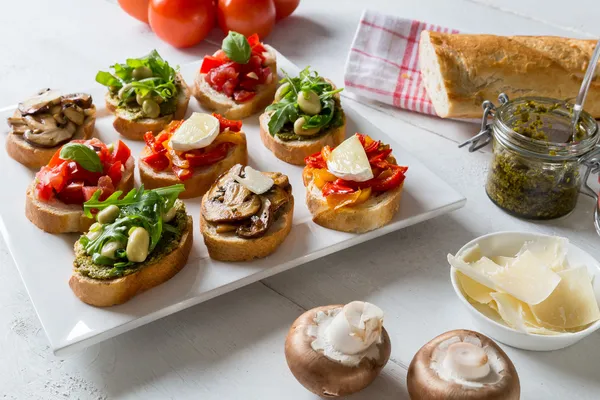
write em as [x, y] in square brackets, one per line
[528, 290]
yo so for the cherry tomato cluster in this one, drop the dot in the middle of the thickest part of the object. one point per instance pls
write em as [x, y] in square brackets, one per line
[184, 23]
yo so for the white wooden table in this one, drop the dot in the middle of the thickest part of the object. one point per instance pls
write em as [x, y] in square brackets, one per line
[232, 347]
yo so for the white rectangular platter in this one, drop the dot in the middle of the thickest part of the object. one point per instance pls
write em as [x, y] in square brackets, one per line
[45, 261]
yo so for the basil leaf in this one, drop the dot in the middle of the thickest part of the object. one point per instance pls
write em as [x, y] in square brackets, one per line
[237, 48]
[84, 156]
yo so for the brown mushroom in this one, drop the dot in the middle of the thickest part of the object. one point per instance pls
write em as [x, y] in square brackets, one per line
[44, 98]
[73, 113]
[82, 100]
[463, 365]
[229, 201]
[49, 138]
[259, 223]
[278, 197]
[279, 179]
[41, 122]
[338, 350]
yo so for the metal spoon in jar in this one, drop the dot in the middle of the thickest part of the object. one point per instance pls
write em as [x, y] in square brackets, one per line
[583, 90]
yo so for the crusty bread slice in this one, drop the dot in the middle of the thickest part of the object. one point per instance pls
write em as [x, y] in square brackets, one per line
[135, 129]
[370, 215]
[58, 217]
[202, 178]
[106, 293]
[229, 247]
[295, 151]
[36, 157]
[229, 108]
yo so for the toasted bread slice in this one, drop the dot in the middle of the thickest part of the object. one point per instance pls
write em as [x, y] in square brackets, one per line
[229, 108]
[202, 178]
[135, 129]
[36, 157]
[372, 214]
[58, 217]
[110, 292]
[295, 151]
[229, 247]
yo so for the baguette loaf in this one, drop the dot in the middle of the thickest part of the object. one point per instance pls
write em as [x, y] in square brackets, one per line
[460, 71]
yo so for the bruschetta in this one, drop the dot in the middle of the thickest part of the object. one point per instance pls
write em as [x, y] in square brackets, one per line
[356, 187]
[145, 94]
[246, 214]
[193, 152]
[77, 170]
[46, 121]
[239, 80]
[137, 242]
[305, 116]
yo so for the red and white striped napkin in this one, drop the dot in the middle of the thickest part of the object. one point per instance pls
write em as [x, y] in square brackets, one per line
[383, 61]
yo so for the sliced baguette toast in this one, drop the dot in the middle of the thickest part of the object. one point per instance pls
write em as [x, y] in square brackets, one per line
[36, 157]
[110, 292]
[135, 129]
[229, 108]
[202, 178]
[229, 247]
[295, 151]
[58, 217]
[372, 214]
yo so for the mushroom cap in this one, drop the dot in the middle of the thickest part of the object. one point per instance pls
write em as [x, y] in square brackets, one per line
[425, 384]
[319, 374]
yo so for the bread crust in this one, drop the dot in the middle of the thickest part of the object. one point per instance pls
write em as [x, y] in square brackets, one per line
[227, 107]
[58, 217]
[135, 129]
[106, 293]
[460, 71]
[232, 248]
[295, 151]
[374, 213]
[36, 157]
[201, 180]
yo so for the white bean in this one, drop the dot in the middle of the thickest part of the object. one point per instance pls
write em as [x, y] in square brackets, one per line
[138, 244]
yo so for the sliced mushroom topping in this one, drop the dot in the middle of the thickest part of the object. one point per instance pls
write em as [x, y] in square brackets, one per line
[229, 201]
[279, 179]
[258, 223]
[41, 121]
[44, 99]
[224, 228]
[49, 138]
[71, 128]
[278, 197]
[74, 113]
[82, 100]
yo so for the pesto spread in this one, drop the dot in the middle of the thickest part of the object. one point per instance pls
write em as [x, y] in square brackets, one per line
[168, 242]
[287, 132]
[532, 187]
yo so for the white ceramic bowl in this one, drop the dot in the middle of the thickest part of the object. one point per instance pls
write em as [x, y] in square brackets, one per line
[508, 244]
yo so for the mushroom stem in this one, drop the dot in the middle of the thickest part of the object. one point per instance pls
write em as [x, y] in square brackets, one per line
[355, 328]
[466, 361]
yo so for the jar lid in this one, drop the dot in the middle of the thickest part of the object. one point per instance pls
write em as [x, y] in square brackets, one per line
[542, 126]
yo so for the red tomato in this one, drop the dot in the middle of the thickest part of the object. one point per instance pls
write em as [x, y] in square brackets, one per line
[181, 23]
[211, 62]
[138, 9]
[114, 173]
[200, 158]
[121, 152]
[285, 8]
[72, 193]
[246, 16]
[224, 123]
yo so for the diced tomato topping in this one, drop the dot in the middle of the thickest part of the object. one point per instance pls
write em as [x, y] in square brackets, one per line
[77, 173]
[242, 96]
[121, 152]
[115, 173]
[220, 54]
[253, 40]
[211, 62]
[224, 123]
[72, 193]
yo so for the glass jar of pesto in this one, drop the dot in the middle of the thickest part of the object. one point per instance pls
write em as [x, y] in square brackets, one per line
[539, 163]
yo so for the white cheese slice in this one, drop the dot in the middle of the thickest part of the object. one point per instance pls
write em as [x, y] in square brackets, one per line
[551, 251]
[471, 254]
[527, 279]
[502, 260]
[255, 181]
[572, 304]
[511, 310]
[480, 274]
[349, 161]
[197, 132]
[475, 290]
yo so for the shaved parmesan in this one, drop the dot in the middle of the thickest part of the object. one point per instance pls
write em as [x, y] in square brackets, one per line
[572, 304]
[511, 310]
[474, 289]
[476, 274]
[550, 251]
[502, 260]
[527, 279]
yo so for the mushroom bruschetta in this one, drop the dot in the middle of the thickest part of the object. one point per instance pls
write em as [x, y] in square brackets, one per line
[77, 171]
[145, 94]
[193, 152]
[246, 214]
[44, 122]
[238, 80]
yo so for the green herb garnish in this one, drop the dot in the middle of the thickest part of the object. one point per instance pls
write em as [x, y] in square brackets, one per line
[83, 155]
[286, 111]
[237, 48]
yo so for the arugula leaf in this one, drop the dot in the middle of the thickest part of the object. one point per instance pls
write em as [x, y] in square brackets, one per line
[285, 111]
[237, 48]
[139, 208]
[82, 155]
[108, 79]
